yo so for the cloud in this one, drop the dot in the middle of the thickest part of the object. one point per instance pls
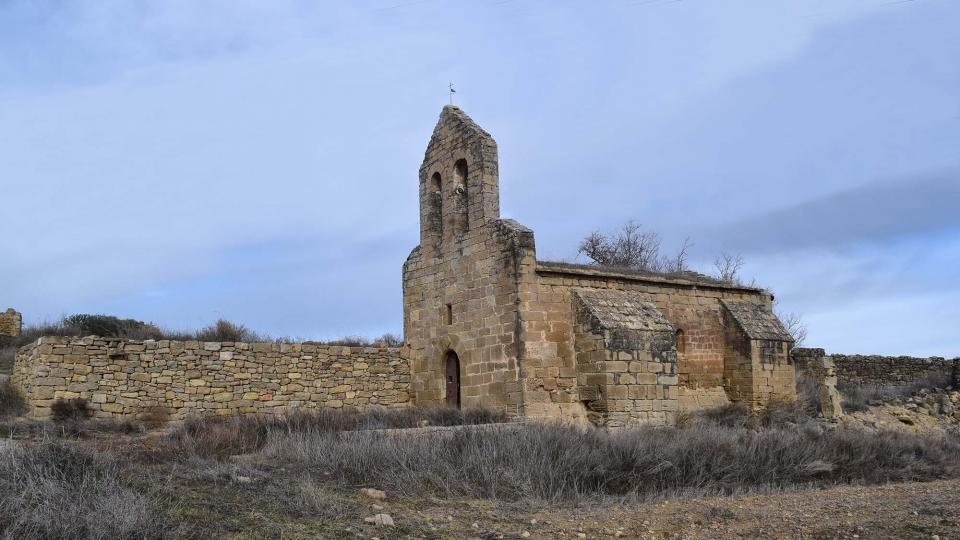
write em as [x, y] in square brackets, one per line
[178, 160]
[874, 213]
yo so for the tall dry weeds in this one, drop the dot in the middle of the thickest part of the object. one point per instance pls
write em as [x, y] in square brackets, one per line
[558, 463]
[57, 489]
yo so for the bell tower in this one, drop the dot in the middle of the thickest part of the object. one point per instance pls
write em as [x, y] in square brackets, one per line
[459, 183]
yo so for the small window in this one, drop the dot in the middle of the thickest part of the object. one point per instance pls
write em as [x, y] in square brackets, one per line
[448, 314]
[681, 342]
[461, 197]
[435, 204]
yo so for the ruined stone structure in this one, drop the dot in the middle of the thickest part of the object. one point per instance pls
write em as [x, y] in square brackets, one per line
[127, 379]
[857, 369]
[10, 323]
[815, 368]
[487, 324]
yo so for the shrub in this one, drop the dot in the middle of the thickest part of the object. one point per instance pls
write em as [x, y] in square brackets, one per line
[155, 416]
[57, 489]
[110, 326]
[70, 410]
[12, 402]
[779, 412]
[8, 354]
[312, 499]
[351, 341]
[859, 397]
[783, 412]
[386, 340]
[808, 393]
[734, 415]
[32, 332]
[856, 398]
[224, 330]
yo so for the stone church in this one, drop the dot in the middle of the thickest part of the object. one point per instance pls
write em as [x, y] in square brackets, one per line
[487, 324]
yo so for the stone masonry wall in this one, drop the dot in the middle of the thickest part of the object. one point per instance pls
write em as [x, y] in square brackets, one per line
[627, 386]
[463, 303]
[858, 369]
[549, 363]
[125, 379]
[10, 323]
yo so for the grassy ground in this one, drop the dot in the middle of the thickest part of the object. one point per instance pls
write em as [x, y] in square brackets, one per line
[301, 476]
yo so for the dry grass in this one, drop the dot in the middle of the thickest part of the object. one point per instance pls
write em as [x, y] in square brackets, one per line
[213, 436]
[726, 450]
[304, 469]
[556, 463]
[12, 402]
[57, 489]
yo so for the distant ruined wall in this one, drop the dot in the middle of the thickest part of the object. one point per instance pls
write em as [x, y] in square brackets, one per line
[126, 379]
[10, 323]
[880, 370]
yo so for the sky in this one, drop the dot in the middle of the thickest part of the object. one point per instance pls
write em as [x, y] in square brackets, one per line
[187, 160]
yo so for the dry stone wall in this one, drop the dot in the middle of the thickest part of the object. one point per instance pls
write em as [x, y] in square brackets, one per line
[858, 369]
[127, 379]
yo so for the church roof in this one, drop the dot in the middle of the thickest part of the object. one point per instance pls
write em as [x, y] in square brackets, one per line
[622, 310]
[757, 320]
[684, 279]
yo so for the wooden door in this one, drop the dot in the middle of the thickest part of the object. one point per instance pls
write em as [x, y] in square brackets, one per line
[453, 380]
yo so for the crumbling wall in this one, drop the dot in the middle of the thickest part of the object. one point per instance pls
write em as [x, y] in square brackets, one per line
[819, 371]
[858, 369]
[872, 369]
[125, 379]
[10, 323]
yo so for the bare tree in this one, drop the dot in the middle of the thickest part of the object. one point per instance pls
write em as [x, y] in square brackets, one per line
[632, 247]
[794, 325]
[679, 261]
[728, 267]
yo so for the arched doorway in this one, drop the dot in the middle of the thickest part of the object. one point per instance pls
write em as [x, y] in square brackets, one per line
[453, 380]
